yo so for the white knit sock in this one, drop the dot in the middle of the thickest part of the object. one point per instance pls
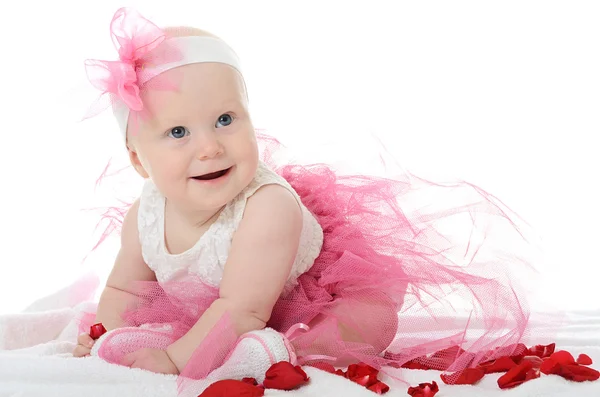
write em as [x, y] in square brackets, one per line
[253, 355]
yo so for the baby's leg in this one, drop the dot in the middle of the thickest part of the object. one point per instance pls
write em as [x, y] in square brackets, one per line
[367, 319]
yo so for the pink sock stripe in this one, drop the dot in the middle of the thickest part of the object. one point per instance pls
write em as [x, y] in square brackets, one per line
[264, 345]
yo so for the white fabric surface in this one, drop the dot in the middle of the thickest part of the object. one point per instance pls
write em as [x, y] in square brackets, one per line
[35, 360]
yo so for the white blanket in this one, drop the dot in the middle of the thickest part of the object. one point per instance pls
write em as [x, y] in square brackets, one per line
[35, 360]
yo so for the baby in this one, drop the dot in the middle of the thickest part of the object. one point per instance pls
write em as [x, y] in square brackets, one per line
[199, 149]
[200, 152]
[274, 250]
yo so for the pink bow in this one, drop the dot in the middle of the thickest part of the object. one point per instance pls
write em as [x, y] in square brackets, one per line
[134, 37]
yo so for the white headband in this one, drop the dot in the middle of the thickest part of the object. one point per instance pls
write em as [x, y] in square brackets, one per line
[194, 49]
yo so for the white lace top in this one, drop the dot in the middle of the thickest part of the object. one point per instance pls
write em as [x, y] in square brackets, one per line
[207, 258]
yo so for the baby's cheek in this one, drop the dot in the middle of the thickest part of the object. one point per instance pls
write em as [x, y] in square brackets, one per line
[166, 177]
[249, 152]
[170, 168]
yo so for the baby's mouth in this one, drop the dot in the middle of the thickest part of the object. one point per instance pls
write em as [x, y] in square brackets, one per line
[212, 175]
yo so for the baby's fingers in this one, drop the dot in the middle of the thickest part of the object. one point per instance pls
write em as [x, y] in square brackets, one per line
[84, 346]
[81, 351]
[85, 340]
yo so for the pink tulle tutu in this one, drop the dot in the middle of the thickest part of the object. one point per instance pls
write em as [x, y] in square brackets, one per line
[410, 271]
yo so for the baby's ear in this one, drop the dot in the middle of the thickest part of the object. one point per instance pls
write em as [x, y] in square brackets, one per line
[135, 161]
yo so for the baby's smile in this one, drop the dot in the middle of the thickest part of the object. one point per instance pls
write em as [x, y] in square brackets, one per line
[213, 176]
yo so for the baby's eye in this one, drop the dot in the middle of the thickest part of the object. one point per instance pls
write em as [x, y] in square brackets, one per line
[224, 120]
[178, 132]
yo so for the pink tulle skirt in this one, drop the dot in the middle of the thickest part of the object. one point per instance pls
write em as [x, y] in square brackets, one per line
[410, 271]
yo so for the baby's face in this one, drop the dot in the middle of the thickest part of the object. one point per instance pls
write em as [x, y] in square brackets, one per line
[196, 133]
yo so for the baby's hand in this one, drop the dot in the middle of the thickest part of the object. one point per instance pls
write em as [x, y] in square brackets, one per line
[85, 342]
[84, 346]
[152, 360]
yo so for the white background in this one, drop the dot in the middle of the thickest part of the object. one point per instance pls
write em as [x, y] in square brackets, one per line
[503, 94]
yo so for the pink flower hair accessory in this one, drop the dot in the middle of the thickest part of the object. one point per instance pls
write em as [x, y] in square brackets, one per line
[134, 37]
[141, 46]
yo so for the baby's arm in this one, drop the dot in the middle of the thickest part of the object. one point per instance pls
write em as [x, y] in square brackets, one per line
[259, 263]
[129, 267]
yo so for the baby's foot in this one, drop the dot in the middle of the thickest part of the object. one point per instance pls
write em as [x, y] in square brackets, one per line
[254, 353]
[114, 345]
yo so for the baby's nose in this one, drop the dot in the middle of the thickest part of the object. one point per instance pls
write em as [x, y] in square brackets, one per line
[209, 146]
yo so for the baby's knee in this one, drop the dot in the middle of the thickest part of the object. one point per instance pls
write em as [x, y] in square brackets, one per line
[373, 323]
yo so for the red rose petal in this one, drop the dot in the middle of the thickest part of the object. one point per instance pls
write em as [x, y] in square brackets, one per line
[502, 364]
[250, 381]
[442, 359]
[509, 351]
[363, 374]
[97, 330]
[520, 348]
[415, 365]
[366, 376]
[379, 388]
[516, 375]
[563, 357]
[578, 373]
[340, 372]
[542, 351]
[517, 357]
[452, 351]
[360, 369]
[301, 372]
[232, 388]
[352, 370]
[584, 359]
[535, 360]
[284, 376]
[468, 376]
[424, 390]
[532, 374]
[550, 367]
[365, 380]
